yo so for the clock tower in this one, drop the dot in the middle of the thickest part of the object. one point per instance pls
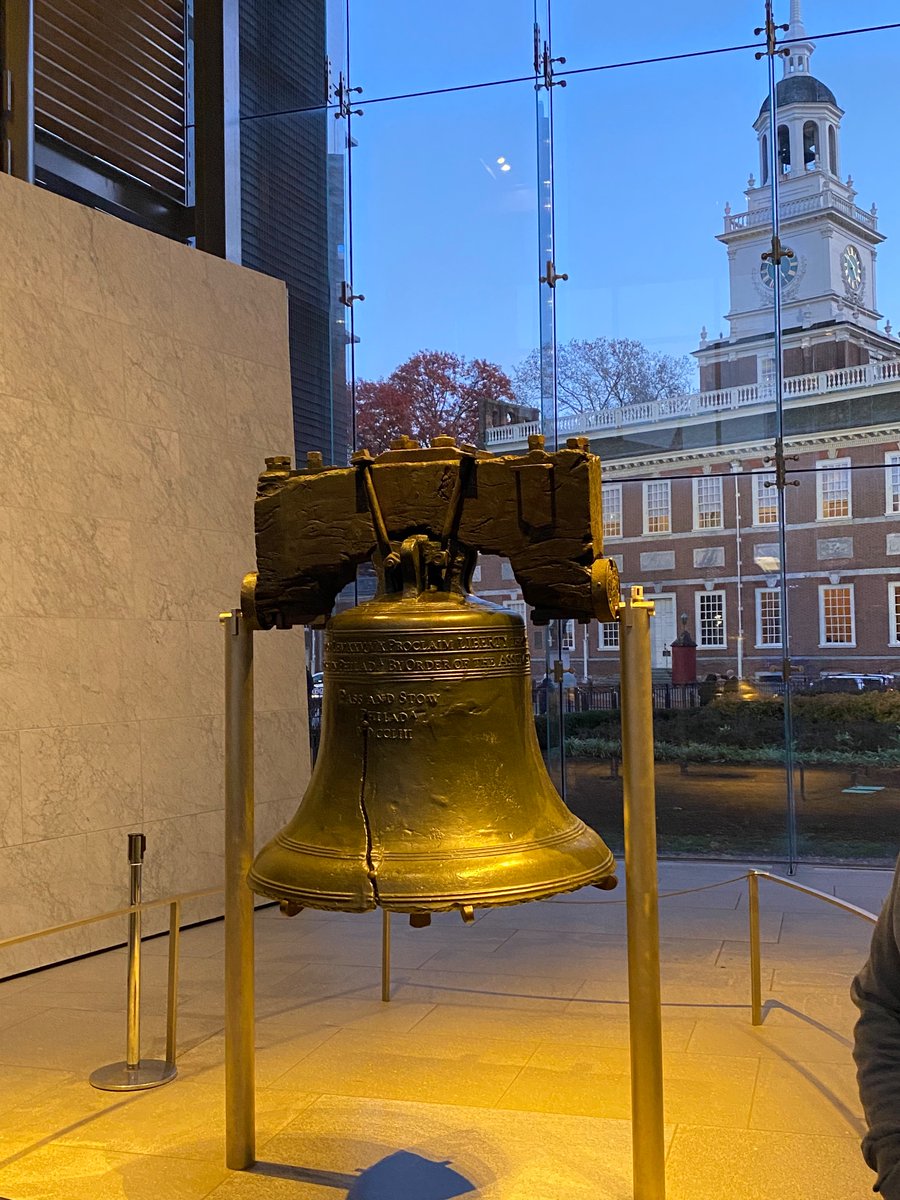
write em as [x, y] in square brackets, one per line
[829, 313]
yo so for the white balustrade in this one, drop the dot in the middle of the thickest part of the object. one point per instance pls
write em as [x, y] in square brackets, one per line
[697, 403]
[796, 208]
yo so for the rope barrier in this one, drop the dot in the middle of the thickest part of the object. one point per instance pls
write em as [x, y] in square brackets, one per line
[662, 895]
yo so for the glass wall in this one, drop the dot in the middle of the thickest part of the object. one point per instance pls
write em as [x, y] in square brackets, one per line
[662, 234]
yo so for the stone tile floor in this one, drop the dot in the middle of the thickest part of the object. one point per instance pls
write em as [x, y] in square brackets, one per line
[500, 1068]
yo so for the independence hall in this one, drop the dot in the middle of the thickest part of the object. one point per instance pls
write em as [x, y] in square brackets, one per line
[690, 502]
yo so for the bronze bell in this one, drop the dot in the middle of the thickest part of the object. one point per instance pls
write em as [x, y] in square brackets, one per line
[429, 792]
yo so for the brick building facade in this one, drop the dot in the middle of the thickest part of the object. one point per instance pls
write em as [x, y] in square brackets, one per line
[690, 510]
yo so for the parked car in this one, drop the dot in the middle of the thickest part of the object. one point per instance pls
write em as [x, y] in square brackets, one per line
[317, 681]
[846, 681]
[772, 683]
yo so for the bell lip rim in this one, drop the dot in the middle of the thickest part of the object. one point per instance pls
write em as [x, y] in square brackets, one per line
[437, 903]
[567, 840]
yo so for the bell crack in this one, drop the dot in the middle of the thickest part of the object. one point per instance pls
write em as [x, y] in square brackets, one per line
[371, 869]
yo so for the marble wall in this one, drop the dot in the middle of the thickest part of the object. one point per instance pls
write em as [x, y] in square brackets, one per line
[142, 384]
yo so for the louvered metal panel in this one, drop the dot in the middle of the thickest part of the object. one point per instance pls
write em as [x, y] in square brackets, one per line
[110, 81]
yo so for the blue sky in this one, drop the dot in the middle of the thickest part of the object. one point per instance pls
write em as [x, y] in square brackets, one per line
[445, 243]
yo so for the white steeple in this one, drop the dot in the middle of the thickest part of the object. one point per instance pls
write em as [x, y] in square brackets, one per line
[800, 46]
[829, 244]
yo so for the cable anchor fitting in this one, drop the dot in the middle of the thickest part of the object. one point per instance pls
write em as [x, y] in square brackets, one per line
[551, 277]
[347, 296]
[770, 29]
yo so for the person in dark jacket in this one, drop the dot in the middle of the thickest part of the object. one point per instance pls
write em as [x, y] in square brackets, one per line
[876, 1048]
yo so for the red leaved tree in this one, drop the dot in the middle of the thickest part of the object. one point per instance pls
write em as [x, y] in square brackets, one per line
[431, 393]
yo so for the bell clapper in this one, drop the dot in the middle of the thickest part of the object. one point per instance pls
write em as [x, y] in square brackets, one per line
[419, 920]
[289, 908]
[607, 884]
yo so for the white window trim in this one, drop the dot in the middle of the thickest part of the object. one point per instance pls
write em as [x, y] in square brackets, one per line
[756, 486]
[760, 644]
[891, 459]
[644, 493]
[609, 489]
[723, 645]
[568, 635]
[695, 492]
[823, 587]
[834, 464]
[518, 606]
[600, 646]
[893, 622]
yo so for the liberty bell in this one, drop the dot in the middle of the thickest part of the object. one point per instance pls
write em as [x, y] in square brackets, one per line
[429, 792]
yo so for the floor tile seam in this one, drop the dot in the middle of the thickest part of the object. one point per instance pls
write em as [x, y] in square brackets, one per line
[196, 1046]
[799, 1067]
[30, 1148]
[498, 1103]
[753, 1093]
[431, 1008]
[675, 1127]
[691, 1035]
[71, 1077]
[264, 1141]
[852, 1137]
[273, 1081]
[29, 1016]
[855, 1125]
[89, 1146]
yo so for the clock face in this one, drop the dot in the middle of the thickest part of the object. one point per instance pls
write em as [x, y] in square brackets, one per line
[789, 266]
[852, 269]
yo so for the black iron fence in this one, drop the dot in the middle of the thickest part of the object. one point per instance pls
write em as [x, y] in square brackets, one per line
[584, 697]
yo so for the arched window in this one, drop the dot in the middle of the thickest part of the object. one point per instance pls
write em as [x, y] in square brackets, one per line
[784, 148]
[764, 172]
[832, 151]
[810, 145]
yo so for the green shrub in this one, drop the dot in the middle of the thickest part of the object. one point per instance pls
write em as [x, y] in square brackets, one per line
[704, 752]
[827, 728]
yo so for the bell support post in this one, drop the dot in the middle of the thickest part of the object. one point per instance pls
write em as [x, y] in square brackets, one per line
[240, 1083]
[642, 901]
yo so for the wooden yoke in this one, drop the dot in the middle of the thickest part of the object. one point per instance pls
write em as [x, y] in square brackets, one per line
[543, 512]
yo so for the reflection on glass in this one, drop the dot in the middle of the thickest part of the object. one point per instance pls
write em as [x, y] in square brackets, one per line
[294, 214]
[444, 252]
[398, 47]
[660, 346]
[843, 587]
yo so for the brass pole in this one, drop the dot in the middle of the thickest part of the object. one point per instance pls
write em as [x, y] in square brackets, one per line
[134, 1074]
[137, 844]
[642, 901]
[172, 993]
[385, 955]
[755, 971]
[240, 1095]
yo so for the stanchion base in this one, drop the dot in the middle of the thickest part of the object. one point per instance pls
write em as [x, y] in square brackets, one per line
[119, 1077]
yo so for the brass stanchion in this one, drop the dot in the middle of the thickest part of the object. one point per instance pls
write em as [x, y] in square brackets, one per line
[755, 965]
[172, 992]
[642, 901]
[240, 1084]
[385, 955]
[134, 1074]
